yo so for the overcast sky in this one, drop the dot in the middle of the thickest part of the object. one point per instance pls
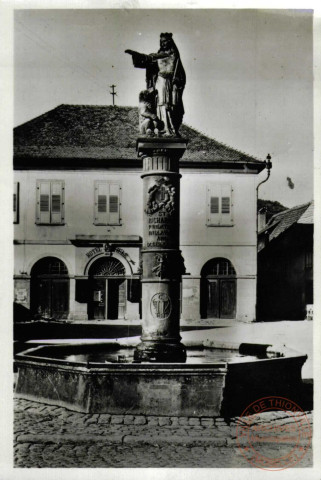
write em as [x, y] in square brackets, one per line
[249, 76]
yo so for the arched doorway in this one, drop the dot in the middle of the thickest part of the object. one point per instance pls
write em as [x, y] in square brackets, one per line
[49, 289]
[108, 289]
[218, 289]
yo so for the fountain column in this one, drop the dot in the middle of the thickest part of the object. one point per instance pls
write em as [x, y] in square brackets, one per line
[163, 264]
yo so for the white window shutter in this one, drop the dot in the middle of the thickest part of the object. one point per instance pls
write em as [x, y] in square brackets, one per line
[16, 202]
[43, 202]
[101, 200]
[114, 204]
[226, 205]
[57, 202]
[213, 205]
[219, 205]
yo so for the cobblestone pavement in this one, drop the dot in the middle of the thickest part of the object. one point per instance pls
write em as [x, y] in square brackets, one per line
[49, 436]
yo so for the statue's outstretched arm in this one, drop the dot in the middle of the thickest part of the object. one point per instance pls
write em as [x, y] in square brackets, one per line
[152, 56]
[140, 60]
[132, 52]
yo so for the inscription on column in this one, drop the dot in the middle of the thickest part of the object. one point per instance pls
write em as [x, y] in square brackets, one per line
[160, 208]
[159, 231]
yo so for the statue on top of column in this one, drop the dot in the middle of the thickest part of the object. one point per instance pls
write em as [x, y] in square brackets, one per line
[161, 105]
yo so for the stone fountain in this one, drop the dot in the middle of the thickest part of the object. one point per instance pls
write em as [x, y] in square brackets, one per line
[158, 381]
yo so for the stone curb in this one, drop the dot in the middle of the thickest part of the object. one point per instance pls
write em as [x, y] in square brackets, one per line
[69, 438]
[160, 440]
[123, 439]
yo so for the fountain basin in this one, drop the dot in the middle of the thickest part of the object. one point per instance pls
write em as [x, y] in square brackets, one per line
[213, 382]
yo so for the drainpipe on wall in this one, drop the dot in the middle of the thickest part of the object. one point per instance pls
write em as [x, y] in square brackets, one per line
[268, 165]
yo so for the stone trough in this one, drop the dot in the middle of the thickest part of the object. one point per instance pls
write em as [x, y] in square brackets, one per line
[213, 382]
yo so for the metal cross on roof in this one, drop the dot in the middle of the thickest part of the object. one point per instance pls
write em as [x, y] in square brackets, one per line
[113, 93]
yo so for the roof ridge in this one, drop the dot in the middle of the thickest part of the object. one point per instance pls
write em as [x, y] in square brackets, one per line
[185, 124]
[291, 209]
[92, 105]
[220, 143]
[42, 115]
[298, 206]
[277, 218]
[61, 105]
[93, 126]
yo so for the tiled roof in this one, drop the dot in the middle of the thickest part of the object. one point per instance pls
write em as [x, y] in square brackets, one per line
[307, 217]
[93, 132]
[280, 222]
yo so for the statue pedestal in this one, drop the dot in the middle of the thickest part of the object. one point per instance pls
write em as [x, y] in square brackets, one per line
[163, 264]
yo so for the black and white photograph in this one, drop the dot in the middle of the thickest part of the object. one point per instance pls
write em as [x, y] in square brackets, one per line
[163, 241]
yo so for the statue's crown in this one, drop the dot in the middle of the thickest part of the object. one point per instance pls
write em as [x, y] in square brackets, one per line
[166, 35]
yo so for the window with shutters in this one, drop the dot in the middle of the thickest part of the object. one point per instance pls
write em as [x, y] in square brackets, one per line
[107, 203]
[50, 202]
[16, 202]
[219, 205]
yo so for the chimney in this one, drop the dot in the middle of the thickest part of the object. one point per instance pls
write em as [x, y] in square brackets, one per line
[261, 218]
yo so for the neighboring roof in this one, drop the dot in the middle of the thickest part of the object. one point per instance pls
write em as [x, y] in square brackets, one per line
[280, 222]
[307, 217]
[100, 132]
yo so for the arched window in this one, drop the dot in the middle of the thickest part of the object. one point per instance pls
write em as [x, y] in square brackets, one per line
[218, 267]
[49, 266]
[107, 267]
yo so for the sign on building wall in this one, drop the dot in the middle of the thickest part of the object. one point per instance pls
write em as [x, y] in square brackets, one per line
[107, 249]
[21, 295]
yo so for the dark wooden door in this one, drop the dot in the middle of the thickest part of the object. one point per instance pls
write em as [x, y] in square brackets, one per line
[227, 298]
[113, 299]
[42, 298]
[108, 299]
[52, 297]
[116, 302]
[212, 310]
[221, 298]
[99, 299]
[122, 297]
[59, 298]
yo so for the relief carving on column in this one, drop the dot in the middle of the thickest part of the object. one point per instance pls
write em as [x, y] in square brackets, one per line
[168, 266]
[161, 265]
[161, 305]
[161, 197]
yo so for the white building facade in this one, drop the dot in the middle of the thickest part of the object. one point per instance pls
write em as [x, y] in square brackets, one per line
[78, 220]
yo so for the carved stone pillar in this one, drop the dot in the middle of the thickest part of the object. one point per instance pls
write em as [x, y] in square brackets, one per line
[163, 264]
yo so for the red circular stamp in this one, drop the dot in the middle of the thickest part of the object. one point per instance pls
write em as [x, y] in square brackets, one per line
[276, 441]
